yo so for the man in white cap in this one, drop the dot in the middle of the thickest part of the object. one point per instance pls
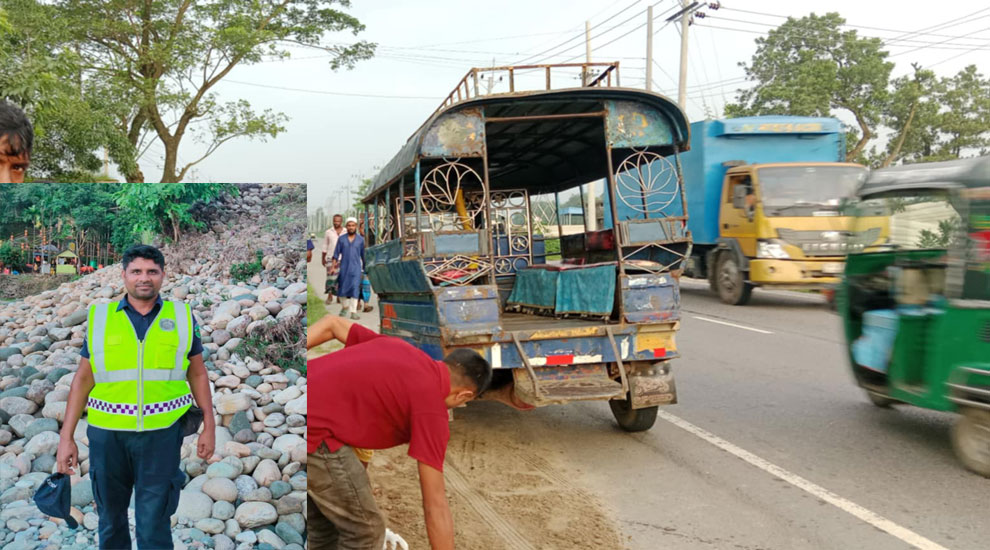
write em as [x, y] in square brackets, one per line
[348, 257]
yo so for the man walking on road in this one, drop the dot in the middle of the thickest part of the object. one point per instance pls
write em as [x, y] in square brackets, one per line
[376, 393]
[329, 245]
[141, 356]
[348, 257]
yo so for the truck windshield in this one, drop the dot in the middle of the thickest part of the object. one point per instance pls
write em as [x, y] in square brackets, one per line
[807, 190]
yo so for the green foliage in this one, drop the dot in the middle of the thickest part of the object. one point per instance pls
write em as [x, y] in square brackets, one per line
[812, 67]
[165, 207]
[11, 255]
[246, 270]
[948, 231]
[281, 343]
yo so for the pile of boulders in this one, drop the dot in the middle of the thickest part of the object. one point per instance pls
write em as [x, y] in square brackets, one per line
[251, 493]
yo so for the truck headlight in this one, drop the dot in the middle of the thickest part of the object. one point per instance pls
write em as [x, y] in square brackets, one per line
[771, 249]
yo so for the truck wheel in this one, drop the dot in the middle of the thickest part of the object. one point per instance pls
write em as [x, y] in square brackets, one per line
[971, 440]
[730, 281]
[630, 419]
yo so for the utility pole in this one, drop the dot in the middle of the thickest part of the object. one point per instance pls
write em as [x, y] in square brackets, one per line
[590, 216]
[649, 48]
[682, 82]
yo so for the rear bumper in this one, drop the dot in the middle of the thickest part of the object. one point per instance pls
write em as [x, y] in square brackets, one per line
[796, 273]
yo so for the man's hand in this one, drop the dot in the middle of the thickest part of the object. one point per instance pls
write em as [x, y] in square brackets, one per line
[207, 443]
[67, 455]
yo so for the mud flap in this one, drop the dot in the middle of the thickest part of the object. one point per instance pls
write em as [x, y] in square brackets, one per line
[649, 388]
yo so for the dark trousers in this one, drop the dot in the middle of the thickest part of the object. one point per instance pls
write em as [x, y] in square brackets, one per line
[342, 511]
[148, 464]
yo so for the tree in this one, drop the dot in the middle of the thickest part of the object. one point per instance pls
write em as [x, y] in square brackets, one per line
[965, 120]
[163, 59]
[11, 255]
[810, 67]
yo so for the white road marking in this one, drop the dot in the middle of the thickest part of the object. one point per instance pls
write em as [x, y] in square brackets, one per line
[872, 518]
[728, 324]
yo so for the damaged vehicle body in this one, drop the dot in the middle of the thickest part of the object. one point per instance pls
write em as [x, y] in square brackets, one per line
[469, 245]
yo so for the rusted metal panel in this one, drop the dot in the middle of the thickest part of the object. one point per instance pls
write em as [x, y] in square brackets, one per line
[649, 391]
[650, 298]
[635, 124]
[458, 134]
[564, 384]
[468, 309]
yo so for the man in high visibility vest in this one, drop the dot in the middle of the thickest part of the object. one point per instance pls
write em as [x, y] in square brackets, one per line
[140, 359]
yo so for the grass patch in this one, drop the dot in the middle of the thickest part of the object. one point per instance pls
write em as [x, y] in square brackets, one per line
[246, 270]
[316, 310]
[280, 343]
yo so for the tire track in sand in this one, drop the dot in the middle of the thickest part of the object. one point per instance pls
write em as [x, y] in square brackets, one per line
[512, 538]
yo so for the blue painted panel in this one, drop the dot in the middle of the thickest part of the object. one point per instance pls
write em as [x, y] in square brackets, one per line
[460, 134]
[457, 243]
[398, 276]
[468, 308]
[633, 124]
[648, 297]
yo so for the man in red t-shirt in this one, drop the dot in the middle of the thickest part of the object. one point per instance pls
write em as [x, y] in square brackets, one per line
[376, 393]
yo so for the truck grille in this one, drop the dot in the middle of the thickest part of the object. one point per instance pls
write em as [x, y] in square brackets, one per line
[829, 243]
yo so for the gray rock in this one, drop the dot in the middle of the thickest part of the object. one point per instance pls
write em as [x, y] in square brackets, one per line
[245, 484]
[296, 521]
[245, 436]
[286, 395]
[5, 437]
[298, 481]
[39, 425]
[222, 470]
[45, 443]
[43, 463]
[20, 422]
[220, 337]
[268, 453]
[195, 468]
[57, 333]
[250, 463]
[274, 420]
[76, 318]
[56, 374]
[223, 542]
[194, 505]
[287, 533]
[223, 510]
[291, 311]
[279, 489]
[255, 514]
[180, 292]
[285, 443]
[17, 525]
[270, 539]
[16, 391]
[91, 521]
[18, 405]
[232, 403]
[238, 327]
[295, 420]
[210, 525]
[247, 537]
[82, 493]
[261, 494]
[232, 529]
[254, 381]
[290, 504]
[221, 488]
[7, 353]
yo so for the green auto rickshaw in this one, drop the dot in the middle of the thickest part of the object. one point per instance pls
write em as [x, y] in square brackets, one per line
[916, 305]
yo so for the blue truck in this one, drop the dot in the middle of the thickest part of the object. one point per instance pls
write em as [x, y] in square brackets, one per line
[764, 197]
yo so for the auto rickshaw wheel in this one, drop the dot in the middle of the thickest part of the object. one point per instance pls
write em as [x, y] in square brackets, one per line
[731, 281]
[630, 419]
[971, 440]
[879, 399]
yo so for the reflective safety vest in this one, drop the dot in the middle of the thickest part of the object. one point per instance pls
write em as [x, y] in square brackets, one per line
[140, 385]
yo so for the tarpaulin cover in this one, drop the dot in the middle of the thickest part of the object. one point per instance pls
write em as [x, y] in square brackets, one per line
[534, 288]
[588, 289]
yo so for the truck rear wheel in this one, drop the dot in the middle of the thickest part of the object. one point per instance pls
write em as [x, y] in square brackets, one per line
[630, 419]
[971, 440]
[730, 281]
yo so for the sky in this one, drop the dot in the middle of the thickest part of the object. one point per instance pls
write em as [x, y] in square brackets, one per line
[344, 125]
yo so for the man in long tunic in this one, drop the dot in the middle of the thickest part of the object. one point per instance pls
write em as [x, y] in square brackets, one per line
[348, 256]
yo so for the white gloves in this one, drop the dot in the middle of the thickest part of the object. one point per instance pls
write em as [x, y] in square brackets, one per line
[394, 541]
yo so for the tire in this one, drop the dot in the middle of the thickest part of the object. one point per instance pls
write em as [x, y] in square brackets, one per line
[971, 440]
[630, 419]
[879, 399]
[730, 281]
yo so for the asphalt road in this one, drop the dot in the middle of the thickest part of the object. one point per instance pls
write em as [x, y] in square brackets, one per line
[772, 446]
[782, 399]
